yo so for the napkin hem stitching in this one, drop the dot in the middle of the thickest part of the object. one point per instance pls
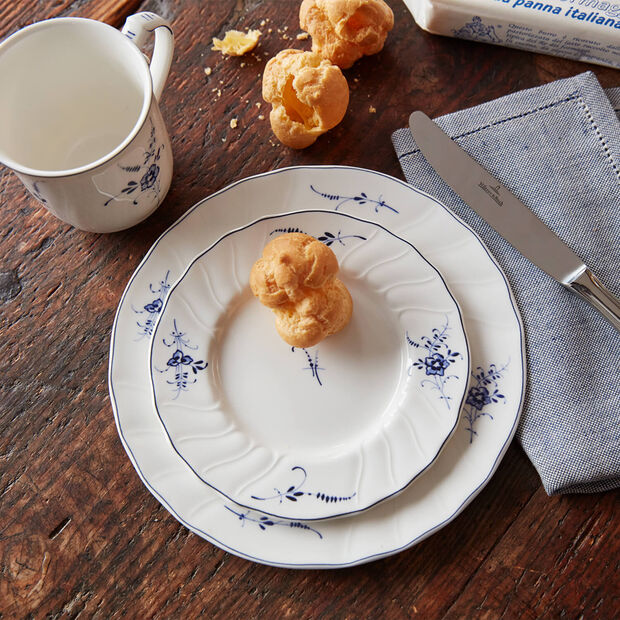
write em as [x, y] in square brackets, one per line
[572, 97]
[600, 137]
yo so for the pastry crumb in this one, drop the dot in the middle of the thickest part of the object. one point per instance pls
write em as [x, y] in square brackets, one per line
[261, 117]
[236, 43]
[233, 123]
[258, 104]
[302, 36]
[372, 109]
[208, 70]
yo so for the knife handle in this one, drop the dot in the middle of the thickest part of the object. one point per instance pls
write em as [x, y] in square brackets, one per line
[588, 286]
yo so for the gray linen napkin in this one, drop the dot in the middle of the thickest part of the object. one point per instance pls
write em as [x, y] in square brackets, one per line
[557, 147]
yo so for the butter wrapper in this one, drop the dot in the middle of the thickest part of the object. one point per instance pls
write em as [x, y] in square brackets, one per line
[586, 30]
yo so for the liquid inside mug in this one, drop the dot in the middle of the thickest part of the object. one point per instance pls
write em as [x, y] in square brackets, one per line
[80, 122]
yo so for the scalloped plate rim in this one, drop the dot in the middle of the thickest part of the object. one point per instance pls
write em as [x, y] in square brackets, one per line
[364, 556]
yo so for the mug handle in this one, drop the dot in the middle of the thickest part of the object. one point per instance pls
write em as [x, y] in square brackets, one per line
[136, 29]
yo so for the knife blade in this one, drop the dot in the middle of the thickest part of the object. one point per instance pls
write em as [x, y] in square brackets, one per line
[509, 216]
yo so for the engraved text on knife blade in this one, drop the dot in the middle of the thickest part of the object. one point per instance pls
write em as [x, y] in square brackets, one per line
[492, 192]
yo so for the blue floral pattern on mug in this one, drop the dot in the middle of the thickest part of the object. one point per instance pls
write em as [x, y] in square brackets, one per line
[142, 176]
[36, 192]
[148, 180]
[439, 356]
[482, 393]
[181, 361]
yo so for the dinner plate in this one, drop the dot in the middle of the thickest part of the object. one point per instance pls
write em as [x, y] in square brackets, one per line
[318, 432]
[487, 421]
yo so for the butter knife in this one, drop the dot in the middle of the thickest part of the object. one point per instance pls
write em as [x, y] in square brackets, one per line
[513, 220]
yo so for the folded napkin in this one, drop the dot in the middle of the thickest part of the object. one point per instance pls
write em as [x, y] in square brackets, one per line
[557, 147]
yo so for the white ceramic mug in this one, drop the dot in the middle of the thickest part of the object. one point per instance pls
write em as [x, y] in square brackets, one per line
[80, 123]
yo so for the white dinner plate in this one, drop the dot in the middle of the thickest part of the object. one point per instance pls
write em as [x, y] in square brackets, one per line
[488, 418]
[318, 432]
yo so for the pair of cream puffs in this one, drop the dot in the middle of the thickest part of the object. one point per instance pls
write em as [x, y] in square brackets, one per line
[307, 90]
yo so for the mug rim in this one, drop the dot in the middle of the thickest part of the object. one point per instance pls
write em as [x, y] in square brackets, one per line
[146, 104]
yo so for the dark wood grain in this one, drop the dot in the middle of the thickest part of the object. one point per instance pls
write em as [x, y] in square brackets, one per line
[80, 536]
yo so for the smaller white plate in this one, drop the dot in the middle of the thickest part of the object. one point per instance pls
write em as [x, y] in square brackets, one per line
[312, 433]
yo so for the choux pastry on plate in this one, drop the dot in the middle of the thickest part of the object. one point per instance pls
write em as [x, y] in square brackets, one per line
[345, 30]
[296, 278]
[309, 96]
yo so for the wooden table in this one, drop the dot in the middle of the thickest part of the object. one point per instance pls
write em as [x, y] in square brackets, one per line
[80, 536]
